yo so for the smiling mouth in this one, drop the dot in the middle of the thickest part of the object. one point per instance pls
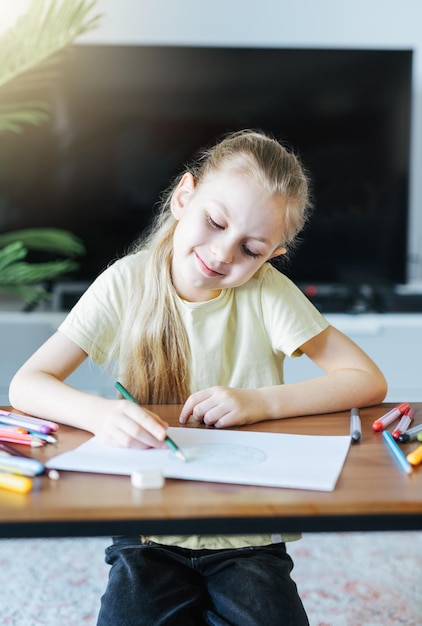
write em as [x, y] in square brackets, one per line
[208, 271]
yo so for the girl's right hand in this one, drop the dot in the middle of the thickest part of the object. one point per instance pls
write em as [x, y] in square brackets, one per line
[128, 425]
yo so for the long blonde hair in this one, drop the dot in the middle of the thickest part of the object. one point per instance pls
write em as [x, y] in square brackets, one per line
[152, 345]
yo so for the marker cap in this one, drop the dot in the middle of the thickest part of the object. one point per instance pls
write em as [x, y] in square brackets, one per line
[390, 416]
[415, 457]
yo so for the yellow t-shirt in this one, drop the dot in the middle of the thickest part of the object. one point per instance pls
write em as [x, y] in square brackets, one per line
[239, 339]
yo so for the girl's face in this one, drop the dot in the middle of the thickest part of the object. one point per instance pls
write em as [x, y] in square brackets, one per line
[228, 227]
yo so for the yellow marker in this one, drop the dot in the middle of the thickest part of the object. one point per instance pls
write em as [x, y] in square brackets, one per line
[21, 484]
[415, 457]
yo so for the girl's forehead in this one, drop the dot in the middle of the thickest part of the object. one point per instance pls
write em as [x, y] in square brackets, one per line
[228, 168]
[230, 179]
[237, 184]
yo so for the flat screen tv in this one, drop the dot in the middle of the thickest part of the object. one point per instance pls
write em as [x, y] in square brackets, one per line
[125, 119]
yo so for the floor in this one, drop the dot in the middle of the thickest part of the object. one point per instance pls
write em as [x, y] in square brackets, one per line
[356, 579]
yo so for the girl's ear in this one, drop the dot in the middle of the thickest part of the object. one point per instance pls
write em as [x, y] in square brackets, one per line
[181, 195]
[278, 252]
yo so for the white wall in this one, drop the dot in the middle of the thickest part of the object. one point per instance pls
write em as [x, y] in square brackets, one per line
[307, 23]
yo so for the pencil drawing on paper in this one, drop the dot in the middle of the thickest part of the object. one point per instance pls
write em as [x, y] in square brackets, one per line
[223, 454]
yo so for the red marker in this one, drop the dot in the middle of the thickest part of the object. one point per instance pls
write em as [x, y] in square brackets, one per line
[390, 416]
[403, 423]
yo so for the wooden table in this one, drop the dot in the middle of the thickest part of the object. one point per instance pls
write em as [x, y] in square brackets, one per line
[372, 493]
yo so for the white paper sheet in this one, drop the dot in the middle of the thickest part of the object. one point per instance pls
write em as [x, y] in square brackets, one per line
[227, 456]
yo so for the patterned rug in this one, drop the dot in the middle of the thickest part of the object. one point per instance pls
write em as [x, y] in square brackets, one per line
[347, 579]
[360, 579]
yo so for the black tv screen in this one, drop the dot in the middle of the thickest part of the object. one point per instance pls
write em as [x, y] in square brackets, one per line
[125, 119]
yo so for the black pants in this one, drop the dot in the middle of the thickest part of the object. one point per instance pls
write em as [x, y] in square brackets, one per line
[156, 585]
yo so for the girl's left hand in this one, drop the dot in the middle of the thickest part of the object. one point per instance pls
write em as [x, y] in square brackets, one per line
[224, 406]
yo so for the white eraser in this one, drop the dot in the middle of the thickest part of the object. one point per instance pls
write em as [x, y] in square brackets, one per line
[147, 479]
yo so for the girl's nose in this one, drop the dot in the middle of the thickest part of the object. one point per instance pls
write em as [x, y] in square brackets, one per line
[223, 251]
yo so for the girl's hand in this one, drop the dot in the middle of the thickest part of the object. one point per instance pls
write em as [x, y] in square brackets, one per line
[128, 425]
[224, 406]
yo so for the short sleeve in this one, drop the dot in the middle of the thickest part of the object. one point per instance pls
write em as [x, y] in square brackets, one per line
[290, 318]
[96, 318]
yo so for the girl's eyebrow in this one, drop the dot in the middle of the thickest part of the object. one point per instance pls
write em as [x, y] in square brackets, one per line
[262, 239]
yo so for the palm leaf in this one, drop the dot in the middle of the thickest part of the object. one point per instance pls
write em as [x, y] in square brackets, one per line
[11, 254]
[29, 56]
[12, 117]
[32, 294]
[21, 273]
[23, 278]
[47, 239]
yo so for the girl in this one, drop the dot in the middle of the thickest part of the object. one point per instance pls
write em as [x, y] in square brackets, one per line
[196, 314]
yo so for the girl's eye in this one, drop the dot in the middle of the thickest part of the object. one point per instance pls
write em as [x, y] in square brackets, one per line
[249, 252]
[213, 224]
[217, 226]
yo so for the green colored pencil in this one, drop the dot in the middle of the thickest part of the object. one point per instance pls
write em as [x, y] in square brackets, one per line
[171, 444]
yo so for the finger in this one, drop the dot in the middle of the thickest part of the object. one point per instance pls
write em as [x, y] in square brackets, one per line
[215, 407]
[146, 422]
[189, 408]
[142, 445]
[121, 439]
[226, 421]
[207, 411]
[142, 438]
[128, 434]
[215, 415]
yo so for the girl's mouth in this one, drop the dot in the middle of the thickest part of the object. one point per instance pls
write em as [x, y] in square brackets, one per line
[205, 269]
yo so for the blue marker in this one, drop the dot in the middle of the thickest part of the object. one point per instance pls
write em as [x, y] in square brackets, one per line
[397, 452]
[20, 465]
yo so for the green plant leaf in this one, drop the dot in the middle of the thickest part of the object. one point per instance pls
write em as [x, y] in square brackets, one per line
[12, 253]
[47, 27]
[32, 294]
[21, 273]
[32, 112]
[47, 239]
[30, 52]
[29, 55]
[24, 278]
